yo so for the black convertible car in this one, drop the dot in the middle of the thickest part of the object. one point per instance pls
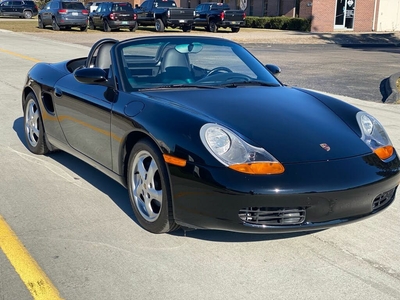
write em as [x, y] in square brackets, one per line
[204, 136]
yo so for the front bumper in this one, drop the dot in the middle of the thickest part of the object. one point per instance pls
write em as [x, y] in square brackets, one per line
[329, 193]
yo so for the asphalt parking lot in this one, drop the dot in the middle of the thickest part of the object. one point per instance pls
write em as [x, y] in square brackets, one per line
[78, 226]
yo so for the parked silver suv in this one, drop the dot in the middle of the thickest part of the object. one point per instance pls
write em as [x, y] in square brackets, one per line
[62, 14]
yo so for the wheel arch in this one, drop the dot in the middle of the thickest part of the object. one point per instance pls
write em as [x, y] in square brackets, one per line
[25, 93]
[131, 140]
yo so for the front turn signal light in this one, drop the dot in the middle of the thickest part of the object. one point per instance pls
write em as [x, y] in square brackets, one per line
[169, 159]
[259, 168]
[384, 152]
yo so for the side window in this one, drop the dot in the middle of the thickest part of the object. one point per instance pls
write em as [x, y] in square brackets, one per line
[54, 5]
[17, 3]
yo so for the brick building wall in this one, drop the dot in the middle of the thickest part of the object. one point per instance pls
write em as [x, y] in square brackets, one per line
[364, 15]
[305, 9]
[323, 15]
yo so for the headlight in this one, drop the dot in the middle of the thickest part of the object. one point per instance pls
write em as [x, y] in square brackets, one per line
[233, 152]
[374, 135]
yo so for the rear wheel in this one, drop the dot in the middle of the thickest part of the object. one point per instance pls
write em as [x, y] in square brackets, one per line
[106, 27]
[33, 126]
[149, 188]
[28, 14]
[186, 28]
[84, 28]
[54, 25]
[159, 25]
[212, 27]
[134, 27]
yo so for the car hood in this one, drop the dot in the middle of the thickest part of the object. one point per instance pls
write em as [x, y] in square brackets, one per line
[291, 124]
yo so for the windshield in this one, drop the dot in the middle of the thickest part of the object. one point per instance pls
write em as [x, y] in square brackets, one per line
[195, 61]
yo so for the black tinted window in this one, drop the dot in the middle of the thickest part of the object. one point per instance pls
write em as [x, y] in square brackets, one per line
[165, 4]
[72, 5]
[122, 7]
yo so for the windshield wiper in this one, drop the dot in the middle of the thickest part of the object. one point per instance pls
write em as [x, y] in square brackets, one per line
[172, 86]
[249, 83]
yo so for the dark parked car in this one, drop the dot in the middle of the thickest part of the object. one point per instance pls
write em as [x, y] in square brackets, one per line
[212, 15]
[113, 15]
[63, 15]
[18, 8]
[205, 136]
[163, 14]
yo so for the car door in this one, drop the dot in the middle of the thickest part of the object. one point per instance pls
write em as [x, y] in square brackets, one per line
[45, 14]
[145, 13]
[6, 8]
[17, 8]
[84, 115]
[98, 14]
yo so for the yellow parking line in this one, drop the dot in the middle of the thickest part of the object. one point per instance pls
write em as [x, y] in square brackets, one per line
[38, 284]
[19, 55]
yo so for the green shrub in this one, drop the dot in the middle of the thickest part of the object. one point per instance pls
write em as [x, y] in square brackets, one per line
[299, 24]
[282, 23]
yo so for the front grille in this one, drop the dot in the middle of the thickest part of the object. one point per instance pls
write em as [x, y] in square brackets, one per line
[263, 216]
[383, 199]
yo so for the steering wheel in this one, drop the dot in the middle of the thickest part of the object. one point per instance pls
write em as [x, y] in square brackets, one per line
[218, 69]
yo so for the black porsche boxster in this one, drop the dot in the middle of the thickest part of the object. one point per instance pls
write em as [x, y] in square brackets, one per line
[205, 136]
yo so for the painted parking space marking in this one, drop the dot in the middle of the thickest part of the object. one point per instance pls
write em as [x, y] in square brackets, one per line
[36, 281]
[19, 55]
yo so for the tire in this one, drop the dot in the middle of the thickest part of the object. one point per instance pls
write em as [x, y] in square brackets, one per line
[91, 25]
[235, 29]
[33, 126]
[149, 188]
[83, 28]
[186, 28]
[54, 25]
[40, 23]
[212, 27]
[106, 27]
[28, 14]
[134, 28]
[160, 27]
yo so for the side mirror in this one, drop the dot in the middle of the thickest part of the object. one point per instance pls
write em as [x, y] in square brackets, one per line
[91, 76]
[274, 69]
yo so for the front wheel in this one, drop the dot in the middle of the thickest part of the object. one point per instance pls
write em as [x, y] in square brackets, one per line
[40, 23]
[149, 188]
[235, 29]
[33, 126]
[160, 27]
[91, 24]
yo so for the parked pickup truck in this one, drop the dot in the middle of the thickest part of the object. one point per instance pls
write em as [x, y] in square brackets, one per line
[212, 15]
[163, 14]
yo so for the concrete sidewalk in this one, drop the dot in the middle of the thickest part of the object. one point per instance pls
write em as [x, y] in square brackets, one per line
[245, 35]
